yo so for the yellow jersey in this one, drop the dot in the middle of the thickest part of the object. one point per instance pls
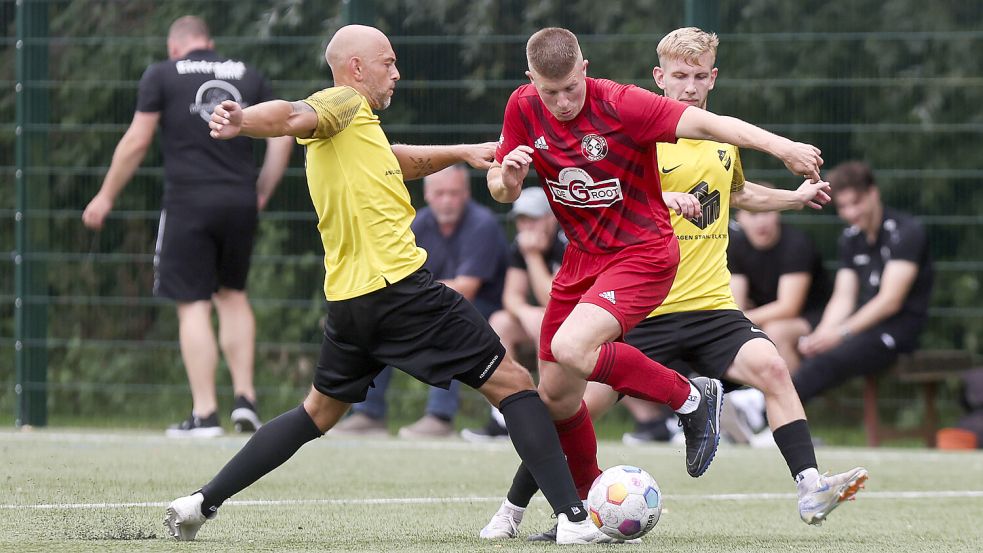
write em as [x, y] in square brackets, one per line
[363, 208]
[710, 171]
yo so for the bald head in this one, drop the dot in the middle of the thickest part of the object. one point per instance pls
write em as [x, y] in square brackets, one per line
[362, 57]
[353, 41]
[188, 33]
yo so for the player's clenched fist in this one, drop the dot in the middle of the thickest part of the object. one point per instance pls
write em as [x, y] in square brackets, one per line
[226, 120]
[803, 159]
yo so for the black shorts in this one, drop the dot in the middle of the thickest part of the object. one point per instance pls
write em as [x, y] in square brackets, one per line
[417, 325]
[705, 342]
[203, 248]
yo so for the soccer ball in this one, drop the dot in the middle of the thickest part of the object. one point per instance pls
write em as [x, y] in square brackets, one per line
[625, 502]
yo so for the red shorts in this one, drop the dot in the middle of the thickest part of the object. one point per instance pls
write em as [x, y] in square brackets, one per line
[629, 284]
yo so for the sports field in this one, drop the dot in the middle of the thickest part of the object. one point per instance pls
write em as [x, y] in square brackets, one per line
[79, 492]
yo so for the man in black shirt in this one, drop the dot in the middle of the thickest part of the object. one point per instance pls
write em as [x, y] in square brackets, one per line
[778, 279]
[212, 192]
[881, 292]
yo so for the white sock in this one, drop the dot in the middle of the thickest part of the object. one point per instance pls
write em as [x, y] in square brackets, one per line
[516, 510]
[806, 479]
[692, 402]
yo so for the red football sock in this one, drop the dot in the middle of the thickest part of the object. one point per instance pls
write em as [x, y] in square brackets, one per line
[580, 446]
[630, 372]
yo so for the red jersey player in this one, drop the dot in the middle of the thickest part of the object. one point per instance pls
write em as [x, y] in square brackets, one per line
[592, 142]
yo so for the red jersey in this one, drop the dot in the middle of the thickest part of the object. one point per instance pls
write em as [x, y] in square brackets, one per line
[599, 169]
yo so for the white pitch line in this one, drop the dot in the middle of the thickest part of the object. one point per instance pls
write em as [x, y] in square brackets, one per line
[943, 494]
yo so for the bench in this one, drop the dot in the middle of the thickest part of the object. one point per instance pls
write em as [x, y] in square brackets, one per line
[925, 368]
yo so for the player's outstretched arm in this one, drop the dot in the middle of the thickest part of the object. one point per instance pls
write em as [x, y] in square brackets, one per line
[505, 179]
[265, 120]
[800, 159]
[754, 197]
[417, 162]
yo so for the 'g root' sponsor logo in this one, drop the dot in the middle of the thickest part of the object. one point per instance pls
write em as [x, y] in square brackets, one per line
[577, 189]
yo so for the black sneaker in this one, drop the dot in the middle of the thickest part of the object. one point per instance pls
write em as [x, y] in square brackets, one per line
[702, 426]
[489, 433]
[549, 535]
[245, 418]
[196, 427]
[648, 432]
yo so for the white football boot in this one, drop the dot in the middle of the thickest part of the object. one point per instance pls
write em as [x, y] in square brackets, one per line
[504, 524]
[826, 493]
[184, 517]
[580, 533]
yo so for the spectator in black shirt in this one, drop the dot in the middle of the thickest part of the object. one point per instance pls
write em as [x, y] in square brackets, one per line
[881, 292]
[778, 279]
[212, 193]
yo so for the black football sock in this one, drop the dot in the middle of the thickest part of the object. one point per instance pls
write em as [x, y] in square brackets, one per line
[524, 486]
[534, 437]
[795, 443]
[271, 445]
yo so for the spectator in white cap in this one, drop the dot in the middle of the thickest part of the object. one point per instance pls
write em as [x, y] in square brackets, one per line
[534, 258]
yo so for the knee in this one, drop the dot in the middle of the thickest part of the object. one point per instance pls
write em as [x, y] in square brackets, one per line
[772, 375]
[500, 321]
[569, 353]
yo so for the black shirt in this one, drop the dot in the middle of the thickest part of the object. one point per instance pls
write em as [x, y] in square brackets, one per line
[185, 92]
[794, 252]
[901, 236]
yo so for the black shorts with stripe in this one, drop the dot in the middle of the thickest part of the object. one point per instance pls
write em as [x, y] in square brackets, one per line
[704, 342]
[417, 325]
[201, 248]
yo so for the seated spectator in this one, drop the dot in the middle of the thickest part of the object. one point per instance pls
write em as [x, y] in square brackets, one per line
[778, 279]
[881, 292]
[534, 258]
[467, 251]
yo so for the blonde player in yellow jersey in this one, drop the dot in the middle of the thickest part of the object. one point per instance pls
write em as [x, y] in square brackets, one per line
[699, 326]
[384, 308]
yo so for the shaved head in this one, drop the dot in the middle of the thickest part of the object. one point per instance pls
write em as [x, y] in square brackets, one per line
[362, 57]
[353, 41]
[187, 33]
[188, 26]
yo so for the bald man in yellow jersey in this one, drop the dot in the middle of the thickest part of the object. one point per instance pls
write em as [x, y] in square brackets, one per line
[699, 326]
[383, 307]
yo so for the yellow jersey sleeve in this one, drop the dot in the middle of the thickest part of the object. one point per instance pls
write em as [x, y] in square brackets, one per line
[335, 107]
[737, 179]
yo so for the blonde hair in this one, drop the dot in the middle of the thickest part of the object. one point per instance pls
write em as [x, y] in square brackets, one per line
[553, 52]
[688, 44]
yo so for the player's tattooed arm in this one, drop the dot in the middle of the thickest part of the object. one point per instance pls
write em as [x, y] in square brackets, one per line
[419, 161]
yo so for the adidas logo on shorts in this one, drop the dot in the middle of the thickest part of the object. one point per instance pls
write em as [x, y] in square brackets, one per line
[609, 295]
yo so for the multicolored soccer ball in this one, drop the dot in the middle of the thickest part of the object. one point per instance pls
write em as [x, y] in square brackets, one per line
[625, 502]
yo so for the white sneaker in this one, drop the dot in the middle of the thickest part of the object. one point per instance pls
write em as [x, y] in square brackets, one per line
[184, 517]
[504, 524]
[580, 533]
[828, 492]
